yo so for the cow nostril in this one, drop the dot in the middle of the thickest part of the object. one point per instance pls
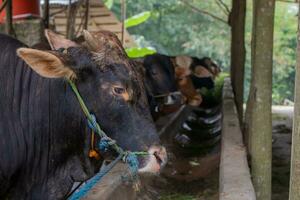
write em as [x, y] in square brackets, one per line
[160, 154]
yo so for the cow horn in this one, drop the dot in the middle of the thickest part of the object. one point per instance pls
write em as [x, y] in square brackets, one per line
[91, 42]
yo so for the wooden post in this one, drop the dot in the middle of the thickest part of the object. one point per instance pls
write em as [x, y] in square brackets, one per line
[8, 23]
[3, 5]
[86, 21]
[46, 14]
[260, 125]
[295, 159]
[238, 52]
[123, 13]
[72, 12]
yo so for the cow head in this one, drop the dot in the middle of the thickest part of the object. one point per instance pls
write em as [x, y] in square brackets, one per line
[205, 67]
[159, 73]
[182, 73]
[110, 86]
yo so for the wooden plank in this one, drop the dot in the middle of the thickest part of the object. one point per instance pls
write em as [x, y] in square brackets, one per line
[112, 28]
[99, 20]
[112, 186]
[93, 10]
[169, 123]
[235, 180]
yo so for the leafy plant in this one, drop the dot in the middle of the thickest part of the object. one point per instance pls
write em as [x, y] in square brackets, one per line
[137, 52]
[137, 19]
[109, 3]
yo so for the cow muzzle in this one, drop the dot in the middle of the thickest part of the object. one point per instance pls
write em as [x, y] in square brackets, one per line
[155, 161]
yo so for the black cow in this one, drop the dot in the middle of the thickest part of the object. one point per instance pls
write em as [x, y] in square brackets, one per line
[168, 82]
[44, 137]
[160, 74]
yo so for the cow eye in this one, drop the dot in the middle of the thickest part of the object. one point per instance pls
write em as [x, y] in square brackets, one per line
[119, 90]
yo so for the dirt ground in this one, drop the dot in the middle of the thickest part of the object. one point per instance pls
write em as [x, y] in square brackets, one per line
[204, 184]
[282, 134]
[186, 178]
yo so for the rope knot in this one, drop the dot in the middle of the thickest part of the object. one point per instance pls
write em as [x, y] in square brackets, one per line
[92, 122]
[104, 145]
[132, 161]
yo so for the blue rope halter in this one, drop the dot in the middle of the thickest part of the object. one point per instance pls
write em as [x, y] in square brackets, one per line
[105, 143]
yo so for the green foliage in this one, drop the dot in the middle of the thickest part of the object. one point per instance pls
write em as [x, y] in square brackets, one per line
[175, 29]
[284, 56]
[137, 52]
[215, 95]
[109, 3]
[137, 19]
[285, 44]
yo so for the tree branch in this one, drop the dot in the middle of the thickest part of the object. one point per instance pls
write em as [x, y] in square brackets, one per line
[203, 11]
[224, 5]
[225, 11]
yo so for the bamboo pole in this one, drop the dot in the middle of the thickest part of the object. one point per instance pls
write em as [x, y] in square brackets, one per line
[295, 157]
[260, 125]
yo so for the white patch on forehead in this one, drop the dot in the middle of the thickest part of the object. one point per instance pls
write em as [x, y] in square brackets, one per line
[105, 85]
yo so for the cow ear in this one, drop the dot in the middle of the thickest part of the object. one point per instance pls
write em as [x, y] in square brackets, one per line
[46, 63]
[57, 41]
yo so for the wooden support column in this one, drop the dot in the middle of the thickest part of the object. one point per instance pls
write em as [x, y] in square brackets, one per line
[4, 2]
[8, 22]
[295, 159]
[260, 119]
[87, 12]
[123, 13]
[46, 14]
[238, 52]
[72, 12]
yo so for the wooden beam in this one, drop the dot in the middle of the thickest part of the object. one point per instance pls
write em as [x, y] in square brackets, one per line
[46, 14]
[72, 12]
[237, 22]
[9, 22]
[87, 13]
[4, 2]
[260, 121]
[123, 16]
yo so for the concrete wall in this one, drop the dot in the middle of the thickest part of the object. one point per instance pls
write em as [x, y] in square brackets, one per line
[235, 178]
